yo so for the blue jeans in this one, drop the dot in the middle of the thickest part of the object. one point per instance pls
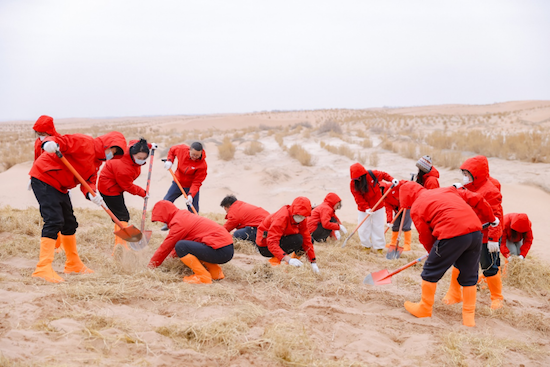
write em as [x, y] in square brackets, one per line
[174, 193]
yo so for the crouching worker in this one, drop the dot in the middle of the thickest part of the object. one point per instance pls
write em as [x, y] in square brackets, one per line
[517, 235]
[323, 220]
[244, 217]
[199, 242]
[449, 228]
[285, 232]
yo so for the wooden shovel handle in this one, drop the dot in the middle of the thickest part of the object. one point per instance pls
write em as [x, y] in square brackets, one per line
[181, 188]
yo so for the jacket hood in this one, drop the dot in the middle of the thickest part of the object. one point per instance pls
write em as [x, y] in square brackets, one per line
[520, 223]
[163, 211]
[44, 124]
[357, 170]
[112, 139]
[433, 173]
[478, 166]
[332, 199]
[408, 193]
[301, 206]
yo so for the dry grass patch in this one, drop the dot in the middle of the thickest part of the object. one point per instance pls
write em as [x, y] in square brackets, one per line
[330, 126]
[300, 154]
[226, 150]
[254, 148]
[530, 275]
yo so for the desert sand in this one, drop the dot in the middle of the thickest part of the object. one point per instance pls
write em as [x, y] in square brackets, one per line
[346, 324]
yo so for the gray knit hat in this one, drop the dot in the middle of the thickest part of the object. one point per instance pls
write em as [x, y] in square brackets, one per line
[425, 164]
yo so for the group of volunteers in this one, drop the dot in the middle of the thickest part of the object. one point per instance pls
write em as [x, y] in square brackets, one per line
[462, 226]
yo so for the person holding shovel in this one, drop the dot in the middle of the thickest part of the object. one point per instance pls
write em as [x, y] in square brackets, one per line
[517, 236]
[51, 180]
[428, 175]
[244, 217]
[365, 187]
[391, 202]
[286, 232]
[191, 172]
[200, 243]
[323, 220]
[449, 228]
[118, 176]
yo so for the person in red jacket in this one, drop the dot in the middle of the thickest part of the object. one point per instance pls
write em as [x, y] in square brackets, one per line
[476, 179]
[391, 202]
[285, 232]
[118, 176]
[191, 172]
[244, 217]
[428, 175]
[323, 220]
[51, 181]
[449, 228]
[365, 187]
[199, 242]
[517, 235]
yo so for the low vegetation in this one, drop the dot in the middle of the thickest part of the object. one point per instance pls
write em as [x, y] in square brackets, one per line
[297, 152]
[226, 150]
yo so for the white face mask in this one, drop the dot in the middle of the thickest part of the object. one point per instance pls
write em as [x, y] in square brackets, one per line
[41, 137]
[141, 162]
[466, 179]
[108, 154]
[298, 218]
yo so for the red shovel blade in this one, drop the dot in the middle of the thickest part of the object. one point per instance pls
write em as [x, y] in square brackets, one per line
[141, 244]
[130, 234]
[378, 278]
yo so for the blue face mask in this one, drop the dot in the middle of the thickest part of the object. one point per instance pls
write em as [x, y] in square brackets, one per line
[108, 154]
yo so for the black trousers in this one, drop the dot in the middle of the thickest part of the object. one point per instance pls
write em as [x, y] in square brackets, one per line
[406, 223]
[490, 261]
[463, 252]
[117, 205]
[289, 244]
[321, 234]
[56, 210]
[204, 252]
[246, 233]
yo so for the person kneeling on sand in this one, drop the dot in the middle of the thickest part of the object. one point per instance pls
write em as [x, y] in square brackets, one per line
[323, 220]
[243, 216]
[517, 235]
[449, 228]
[199, 242]
[285, 232]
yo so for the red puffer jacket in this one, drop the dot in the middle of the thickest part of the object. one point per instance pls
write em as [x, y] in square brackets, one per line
[241, 214]
[83, 152]
[323, 213]
[478, 166]
[185, 225]
[516, 227]
[281, 223]
[44, 124]
[445, 212]
[119, 175]
[370, 198]
[190, 173]
[431, 179]
[391, 202]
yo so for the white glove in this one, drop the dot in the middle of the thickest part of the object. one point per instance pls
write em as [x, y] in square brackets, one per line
[495, 223]
[338, 235]
[395, 182]
[167, 165]
[315, 268]
[50, 147]
[154, 146]
[521, 257]
[343, 229]
[295, 262]
[189, 201]
[389, 225]
[146, 196]
[368, 211]
[97, 199]
[29, 187]
[458, 185]
[492, 246]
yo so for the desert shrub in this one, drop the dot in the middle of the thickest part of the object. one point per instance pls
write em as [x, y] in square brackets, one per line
[279, 138]
[366, 143]
[346, 151]
[253, 148]
[302, 155]
[330, 126]
[226, 150]
[373, 159]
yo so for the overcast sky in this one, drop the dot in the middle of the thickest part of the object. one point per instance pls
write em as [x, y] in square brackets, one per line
[101, 58]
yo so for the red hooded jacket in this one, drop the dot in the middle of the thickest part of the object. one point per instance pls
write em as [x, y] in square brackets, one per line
[323, 213]
[44, 124]
[370, 198]
[119, 175]
[189, 173]
[478, 166]
[185, 225]
[431, 179]
[445, 212]
[84, 153]
[241, 214]
[516, 227]
[391, 202]
[281, 223]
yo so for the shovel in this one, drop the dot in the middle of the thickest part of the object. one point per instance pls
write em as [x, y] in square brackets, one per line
[384, 276]
[146, 233]
[393, 220]
[181, 188]
[394, 251]
[130, 233]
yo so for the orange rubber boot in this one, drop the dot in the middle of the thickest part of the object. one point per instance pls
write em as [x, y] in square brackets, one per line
[58, 247]
[44, 268]
[469, 306]
[424, 308]
[274, 261]
[201, 276]
[495, 287]
[294, 256]
[454, 294]
[215, 271]
[118, 240]
[73, 263]
[407, 241]
[393, 239]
